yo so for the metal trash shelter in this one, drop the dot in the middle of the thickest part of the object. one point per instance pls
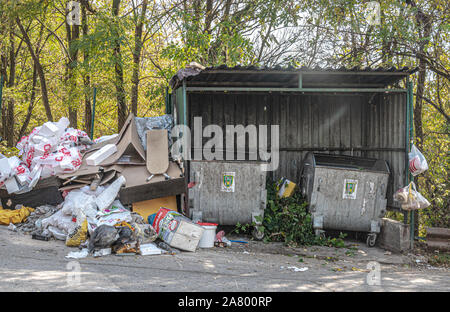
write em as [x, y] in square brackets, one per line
[358, 112]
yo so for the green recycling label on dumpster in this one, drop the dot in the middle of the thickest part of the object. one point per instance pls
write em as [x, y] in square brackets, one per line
[228, 181]
[350, 189]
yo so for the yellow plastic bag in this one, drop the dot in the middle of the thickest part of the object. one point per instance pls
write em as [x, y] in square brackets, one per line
[8, 216]
[77, 235]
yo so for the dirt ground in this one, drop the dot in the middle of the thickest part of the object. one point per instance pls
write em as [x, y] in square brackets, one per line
[32, 265]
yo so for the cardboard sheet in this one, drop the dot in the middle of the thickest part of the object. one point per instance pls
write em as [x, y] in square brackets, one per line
[148, 207]
[157, 151]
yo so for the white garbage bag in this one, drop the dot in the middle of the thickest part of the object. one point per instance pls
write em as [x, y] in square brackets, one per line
[417, 162]
[410, 198]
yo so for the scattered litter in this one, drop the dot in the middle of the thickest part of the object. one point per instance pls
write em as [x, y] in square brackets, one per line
[145, 233]
[298, 269]
[220, 237]
[103, 237]
[83, 253]
[167, 248]
[417, 162]
[102, 252]
[209, 235]
[12, 227]
[246, 252]
[177, 230]
[149, 249]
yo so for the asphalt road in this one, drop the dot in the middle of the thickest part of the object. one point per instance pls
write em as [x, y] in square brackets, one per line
[31, 265]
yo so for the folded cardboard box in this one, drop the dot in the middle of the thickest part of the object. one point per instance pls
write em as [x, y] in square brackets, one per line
[138, 189]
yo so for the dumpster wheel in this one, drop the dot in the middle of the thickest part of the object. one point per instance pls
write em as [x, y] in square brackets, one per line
[371, 239]
[257, 234]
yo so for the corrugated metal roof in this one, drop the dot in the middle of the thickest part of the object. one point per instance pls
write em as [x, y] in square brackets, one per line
[254, 76]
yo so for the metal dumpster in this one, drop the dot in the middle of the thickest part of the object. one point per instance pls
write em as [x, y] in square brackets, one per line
[227, 192]
[345, 193]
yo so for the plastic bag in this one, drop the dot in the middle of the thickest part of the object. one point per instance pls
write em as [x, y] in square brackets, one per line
[57, 233]
[78, 234]
[78, 200]
[410, 198]
[145, 233]
[177, 230]
[113, 215]
[417, 162]
[149, 123]
[59, 220]
[103, 237]
[107, 197]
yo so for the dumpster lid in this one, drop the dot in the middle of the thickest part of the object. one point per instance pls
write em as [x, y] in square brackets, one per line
[350, 162]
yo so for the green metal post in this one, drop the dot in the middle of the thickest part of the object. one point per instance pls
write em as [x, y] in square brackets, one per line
[1, 94]
[410, 137]
[184, 104]
[93, 113]
[166, 100]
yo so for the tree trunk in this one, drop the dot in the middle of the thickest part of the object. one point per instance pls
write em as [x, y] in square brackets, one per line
[137, 58]
[73, 34]
[86, 78]
[120, 90]
[39, 70]
[30, 106]
[9, 133]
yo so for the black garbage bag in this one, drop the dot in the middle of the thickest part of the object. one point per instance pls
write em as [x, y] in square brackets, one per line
[103, 237]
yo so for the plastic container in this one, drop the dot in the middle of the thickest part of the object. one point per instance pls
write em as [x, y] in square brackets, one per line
[209, 235]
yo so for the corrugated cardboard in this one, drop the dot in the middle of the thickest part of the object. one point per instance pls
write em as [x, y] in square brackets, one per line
[129, 145]
[137, 175]
[157, 151]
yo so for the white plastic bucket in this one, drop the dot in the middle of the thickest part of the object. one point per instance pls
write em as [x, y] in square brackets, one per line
[209, 235]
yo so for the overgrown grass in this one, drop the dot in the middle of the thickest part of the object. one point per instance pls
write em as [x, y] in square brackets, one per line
[287, 220]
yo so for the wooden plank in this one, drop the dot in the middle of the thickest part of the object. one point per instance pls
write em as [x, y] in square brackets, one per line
[441, 245]
[35, 198]
[438, 232]
[42, 184]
